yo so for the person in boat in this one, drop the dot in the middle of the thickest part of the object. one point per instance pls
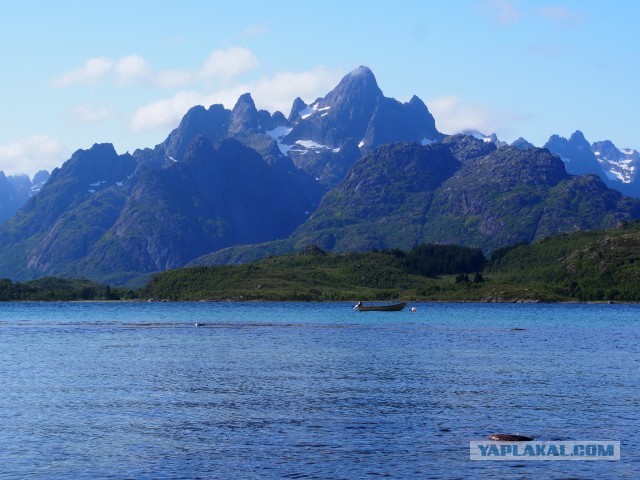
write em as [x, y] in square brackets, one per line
[359, 304]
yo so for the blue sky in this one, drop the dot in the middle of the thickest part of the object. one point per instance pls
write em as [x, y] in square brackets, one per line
[77, 72]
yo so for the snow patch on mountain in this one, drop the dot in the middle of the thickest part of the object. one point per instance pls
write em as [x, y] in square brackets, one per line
[622, 169]
[278, 134]
[310, 144]
[306, 112]
[618, 164]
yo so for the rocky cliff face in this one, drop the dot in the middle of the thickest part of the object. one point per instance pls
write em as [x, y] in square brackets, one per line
[15, 190]
[461, 191]
[616, 168]
[99, 215]
[224, 178]
[356, 109]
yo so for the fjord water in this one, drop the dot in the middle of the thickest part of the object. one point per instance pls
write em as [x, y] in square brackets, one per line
[294, 390]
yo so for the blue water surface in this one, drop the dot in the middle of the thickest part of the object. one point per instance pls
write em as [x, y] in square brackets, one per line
[311, 390]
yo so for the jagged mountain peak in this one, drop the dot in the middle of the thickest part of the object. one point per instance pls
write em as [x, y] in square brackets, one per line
[619, 165]
[298, 106]
[213, 123]
[522, 144]
[100, 163]
[417, 102]
[244, 116]
[357, 109]
[577, 136]
[245, 101]
[358, 85]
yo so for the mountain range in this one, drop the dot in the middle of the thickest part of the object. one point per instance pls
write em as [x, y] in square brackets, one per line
[15, 190]
[618, 168]
[351, 171]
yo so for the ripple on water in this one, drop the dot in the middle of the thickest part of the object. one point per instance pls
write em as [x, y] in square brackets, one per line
[311, 391]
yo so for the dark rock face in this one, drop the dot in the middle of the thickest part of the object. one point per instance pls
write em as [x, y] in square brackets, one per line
[355, 113]
[616, 169]
[356, 109]
[212, 123]
[244, 117]
[225, 179]
[576, 153]
[393, 121]
[95, 217]
[607, 149]
[297, 107]
[466, 147]
[620, 166]
[522, 144]
[219, 196]
[382, 201]
[15, 190]
[462, 191]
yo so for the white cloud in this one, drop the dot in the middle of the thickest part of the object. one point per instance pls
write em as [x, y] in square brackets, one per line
[131, 69]
[278, 92]
[93, 71]
[173, 78]
[228, 64]
[271, 93]
[222, 65]
[166, 112]
[29, 155]
[454, 115]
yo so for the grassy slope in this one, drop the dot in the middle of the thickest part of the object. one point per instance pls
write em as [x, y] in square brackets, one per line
[586, 265]
[596, 266]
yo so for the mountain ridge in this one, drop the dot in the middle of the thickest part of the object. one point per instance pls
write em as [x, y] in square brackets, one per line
[353, 170]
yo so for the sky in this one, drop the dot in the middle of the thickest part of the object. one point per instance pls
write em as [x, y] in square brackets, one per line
[125, 72]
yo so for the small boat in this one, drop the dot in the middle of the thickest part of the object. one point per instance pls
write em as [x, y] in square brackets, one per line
[394, 307]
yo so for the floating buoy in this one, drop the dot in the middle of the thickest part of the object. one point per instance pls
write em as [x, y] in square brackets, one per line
[507, 437]
[414, 309]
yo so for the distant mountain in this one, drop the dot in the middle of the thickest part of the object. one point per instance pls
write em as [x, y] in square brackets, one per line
[493, 138]
[461, 191]
[352, 170]
[576, 153]
[504, 197]
[326, 137]
[559, 268]
[617, 168]
[620, 165]
[99, 216]
[15, 190]
[323, 139]
[522, 144]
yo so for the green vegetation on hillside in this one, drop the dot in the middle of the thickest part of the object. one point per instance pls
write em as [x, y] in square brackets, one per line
[586, 265]
[432, 260]
[59, 289]
[312, 275]
[583, 266]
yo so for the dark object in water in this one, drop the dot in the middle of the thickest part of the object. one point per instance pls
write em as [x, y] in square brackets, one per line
[396, 307]
[200, 324]
[518, 329]
[507, 437]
